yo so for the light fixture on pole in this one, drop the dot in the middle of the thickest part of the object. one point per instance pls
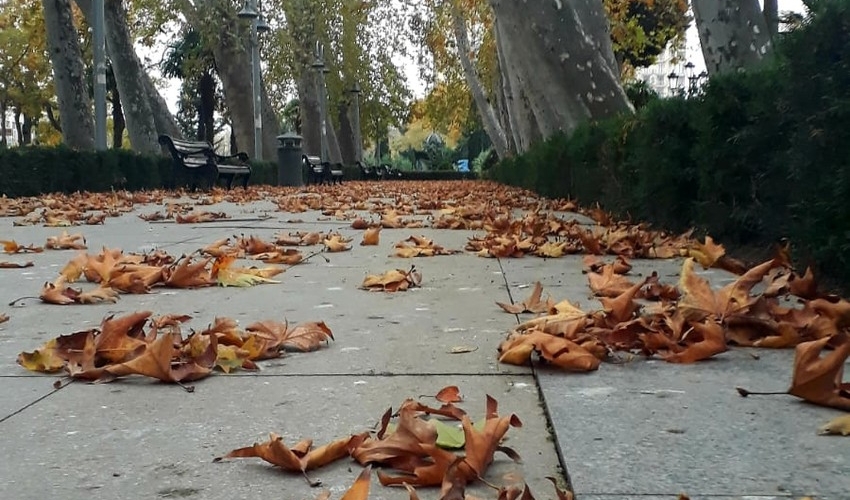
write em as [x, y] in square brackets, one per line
[249, 11]
[99, 50]
[673, 82]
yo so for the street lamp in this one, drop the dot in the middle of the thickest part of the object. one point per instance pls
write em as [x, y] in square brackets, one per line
[258, 25]
[99, 52]
[319, 66]
[673, 82]
[355, 122]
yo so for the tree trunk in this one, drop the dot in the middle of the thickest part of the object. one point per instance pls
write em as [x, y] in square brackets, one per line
[518, 115]
[559, 55]
[733, 34]
[309, 104]
[3, 141]
[118, 124]
[771, 17]
[26, 129]
[206, 109]
[345, 134]
[125, 66]
[128, 77]
[488, 116]
[75, 106]
[18, 129]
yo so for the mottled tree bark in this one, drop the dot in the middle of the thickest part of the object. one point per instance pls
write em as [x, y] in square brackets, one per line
[488, 116]
[733, 34]
[131, 76]
[75, 106]
[559, 66]
[771, 17]
[118, 123]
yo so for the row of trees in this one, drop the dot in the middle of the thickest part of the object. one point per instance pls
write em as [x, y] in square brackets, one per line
[521, 70]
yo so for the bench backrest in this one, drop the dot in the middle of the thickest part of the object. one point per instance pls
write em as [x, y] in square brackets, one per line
[180, 149]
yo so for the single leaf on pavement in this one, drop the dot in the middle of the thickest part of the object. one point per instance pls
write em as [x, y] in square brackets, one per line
[15, 265]
[4, 318]
[392, 281]
[558, 351]
[608, 283]
[12, 246]
[839, 426]
[818, 379]
[449, 394]
[336, 243]
[532, 304]
[307, 336]
[66, 241]
[240, 276]
[276, 453]
[371, 236]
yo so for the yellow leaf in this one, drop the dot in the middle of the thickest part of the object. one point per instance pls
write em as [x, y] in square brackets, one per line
[371, 236]
[837, 426]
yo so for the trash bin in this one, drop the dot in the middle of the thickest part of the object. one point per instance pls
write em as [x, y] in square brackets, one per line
[289, 169]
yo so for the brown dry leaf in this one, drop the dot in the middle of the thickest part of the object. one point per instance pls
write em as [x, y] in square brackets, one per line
[277, 453]
[449, 394]
[419, 246]
[289, 256]
[532, 304]
[336, 243]
[121, 338]
[11, 247]
[14, 265]
[4, 317]
[74, 268]
[707, 254]
[558, 351]
[307, 336]
[360, 489]
[187, 274]
[818, 379]
[712, 341]
[392, 281]
[163, 361]
[66, 241]
[97, 295]
[562, 494]
[699, 301]
[608, 283]
[200, 216]
[58, 293]
[371, 236]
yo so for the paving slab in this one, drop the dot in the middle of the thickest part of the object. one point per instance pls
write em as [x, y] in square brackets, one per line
[19, 392]
[137, 439]
[660, 428]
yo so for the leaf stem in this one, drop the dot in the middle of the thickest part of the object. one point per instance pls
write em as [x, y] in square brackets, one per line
[744, 393]
[22, 298]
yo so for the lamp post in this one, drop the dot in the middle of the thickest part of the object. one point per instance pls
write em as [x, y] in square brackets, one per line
[319, 66]
[355, 122]
[673, 83]
[258, 25]
[99, 77]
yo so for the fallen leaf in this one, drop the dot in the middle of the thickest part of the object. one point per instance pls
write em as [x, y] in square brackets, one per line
[66, 241]
[449, 394]
[360, 489]
[371, 236]
[837, 426]
[532, 304]
[14, 265]
[393, 280]
[818, 379]
[4, 318]
[336, 243]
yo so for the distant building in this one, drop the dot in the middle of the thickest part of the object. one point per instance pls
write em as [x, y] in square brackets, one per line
[10, 131]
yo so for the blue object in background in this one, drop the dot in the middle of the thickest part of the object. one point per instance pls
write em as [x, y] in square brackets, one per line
[463, 165]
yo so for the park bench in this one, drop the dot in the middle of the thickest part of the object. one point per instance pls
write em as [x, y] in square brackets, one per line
[319, 172]
[199, 160]
[383, 171]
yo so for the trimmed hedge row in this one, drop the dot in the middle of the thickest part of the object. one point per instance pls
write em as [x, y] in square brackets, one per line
[755, 157]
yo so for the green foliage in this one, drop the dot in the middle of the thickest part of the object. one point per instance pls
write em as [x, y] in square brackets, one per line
[640, 93]
[755, 157]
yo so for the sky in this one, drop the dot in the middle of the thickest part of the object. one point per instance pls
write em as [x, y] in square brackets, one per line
[170, 88]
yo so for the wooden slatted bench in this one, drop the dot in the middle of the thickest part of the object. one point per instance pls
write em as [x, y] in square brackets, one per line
[321, 173]
[200, 161]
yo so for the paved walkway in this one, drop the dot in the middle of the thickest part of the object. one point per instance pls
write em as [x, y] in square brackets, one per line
[644, 429]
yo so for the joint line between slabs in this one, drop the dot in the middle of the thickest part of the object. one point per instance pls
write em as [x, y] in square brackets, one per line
[382, 374]
[33, 403]
[507, 287]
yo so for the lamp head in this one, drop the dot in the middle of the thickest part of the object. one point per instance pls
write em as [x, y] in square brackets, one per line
[249, 11]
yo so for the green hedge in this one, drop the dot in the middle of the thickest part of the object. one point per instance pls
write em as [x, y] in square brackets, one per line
[33, 170]
[754, 157]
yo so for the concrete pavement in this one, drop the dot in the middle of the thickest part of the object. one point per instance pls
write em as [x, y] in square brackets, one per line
[636, 430]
